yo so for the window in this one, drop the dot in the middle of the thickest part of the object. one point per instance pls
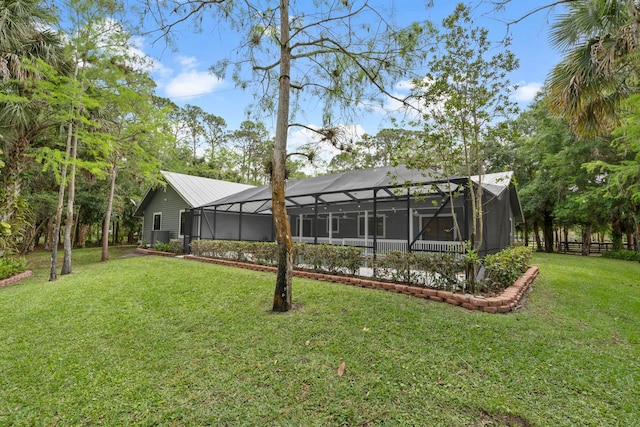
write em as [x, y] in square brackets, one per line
[307, 227]
[335, 224]
[379, 226]
[183, 223]
[441, 228]
[157, 220]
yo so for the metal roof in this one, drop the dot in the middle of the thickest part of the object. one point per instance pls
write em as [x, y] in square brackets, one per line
[360, 185]
[342, 187]
[195, 190]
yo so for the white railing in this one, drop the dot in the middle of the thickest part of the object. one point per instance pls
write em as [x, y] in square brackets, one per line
[387, 245]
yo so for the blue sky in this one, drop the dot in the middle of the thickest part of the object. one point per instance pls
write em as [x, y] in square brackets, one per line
[182, 74]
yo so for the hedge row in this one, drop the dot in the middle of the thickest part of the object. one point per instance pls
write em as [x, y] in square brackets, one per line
[174, 246]
[434, 270]
[623, 254]
[321, 258]
[329, 259]
[264, 253]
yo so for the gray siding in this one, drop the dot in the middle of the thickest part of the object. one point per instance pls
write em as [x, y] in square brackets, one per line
[169, 203]
[226, 226]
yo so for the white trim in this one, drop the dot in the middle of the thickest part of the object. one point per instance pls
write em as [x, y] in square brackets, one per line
[366, 225]
[512, 228]
[304, 220]
[153, 223]
[411, 233]
[330, 220]
[199, 226]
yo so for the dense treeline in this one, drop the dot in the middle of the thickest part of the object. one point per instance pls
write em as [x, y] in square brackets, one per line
[575, 150]
[83, 134]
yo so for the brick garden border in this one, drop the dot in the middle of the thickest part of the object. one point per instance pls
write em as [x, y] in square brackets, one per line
[13, 279]
[503, 303]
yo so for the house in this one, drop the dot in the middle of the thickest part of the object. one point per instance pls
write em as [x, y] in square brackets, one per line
[379, 209]
[165, 209]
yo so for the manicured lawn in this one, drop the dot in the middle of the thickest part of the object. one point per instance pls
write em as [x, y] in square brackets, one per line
[163, 341]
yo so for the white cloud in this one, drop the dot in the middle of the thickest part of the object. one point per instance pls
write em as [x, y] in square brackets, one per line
[527, 92]
[191, 84]
[188, 62]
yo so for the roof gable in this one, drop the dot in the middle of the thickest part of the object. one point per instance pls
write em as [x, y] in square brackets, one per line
[194, 190]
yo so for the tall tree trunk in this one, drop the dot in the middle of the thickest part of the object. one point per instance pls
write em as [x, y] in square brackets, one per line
[76, 222]
[586, 240]
[536, 232]
[282, 294]
[66, 262]
[48, 237]
[82, 235]
[113, 172]
[55, 231]
[12, 177]
[548, 233]
[616, 234]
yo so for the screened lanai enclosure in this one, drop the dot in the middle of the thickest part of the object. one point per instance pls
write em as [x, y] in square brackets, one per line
[381, 209]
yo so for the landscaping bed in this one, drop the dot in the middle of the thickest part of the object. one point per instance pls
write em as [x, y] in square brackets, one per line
[15, 278]
[505, 302]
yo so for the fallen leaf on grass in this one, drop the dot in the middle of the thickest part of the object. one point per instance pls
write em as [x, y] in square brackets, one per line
[341, 369]
[303, 393]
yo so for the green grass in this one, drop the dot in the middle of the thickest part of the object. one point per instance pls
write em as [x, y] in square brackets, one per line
[162, 341]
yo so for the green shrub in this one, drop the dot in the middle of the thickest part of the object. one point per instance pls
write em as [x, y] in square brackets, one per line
[263, 253]
[176, 246]
[504, 267]
[623, 254]
[443, 269]
[10, 266]
[325, 258]
[173, 246]
[434, 270]
[397, 266]
[329, 258]
[162, 246]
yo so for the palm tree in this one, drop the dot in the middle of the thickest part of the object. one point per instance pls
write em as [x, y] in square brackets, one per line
[25, 33]
[600, 38]
[25, 38]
